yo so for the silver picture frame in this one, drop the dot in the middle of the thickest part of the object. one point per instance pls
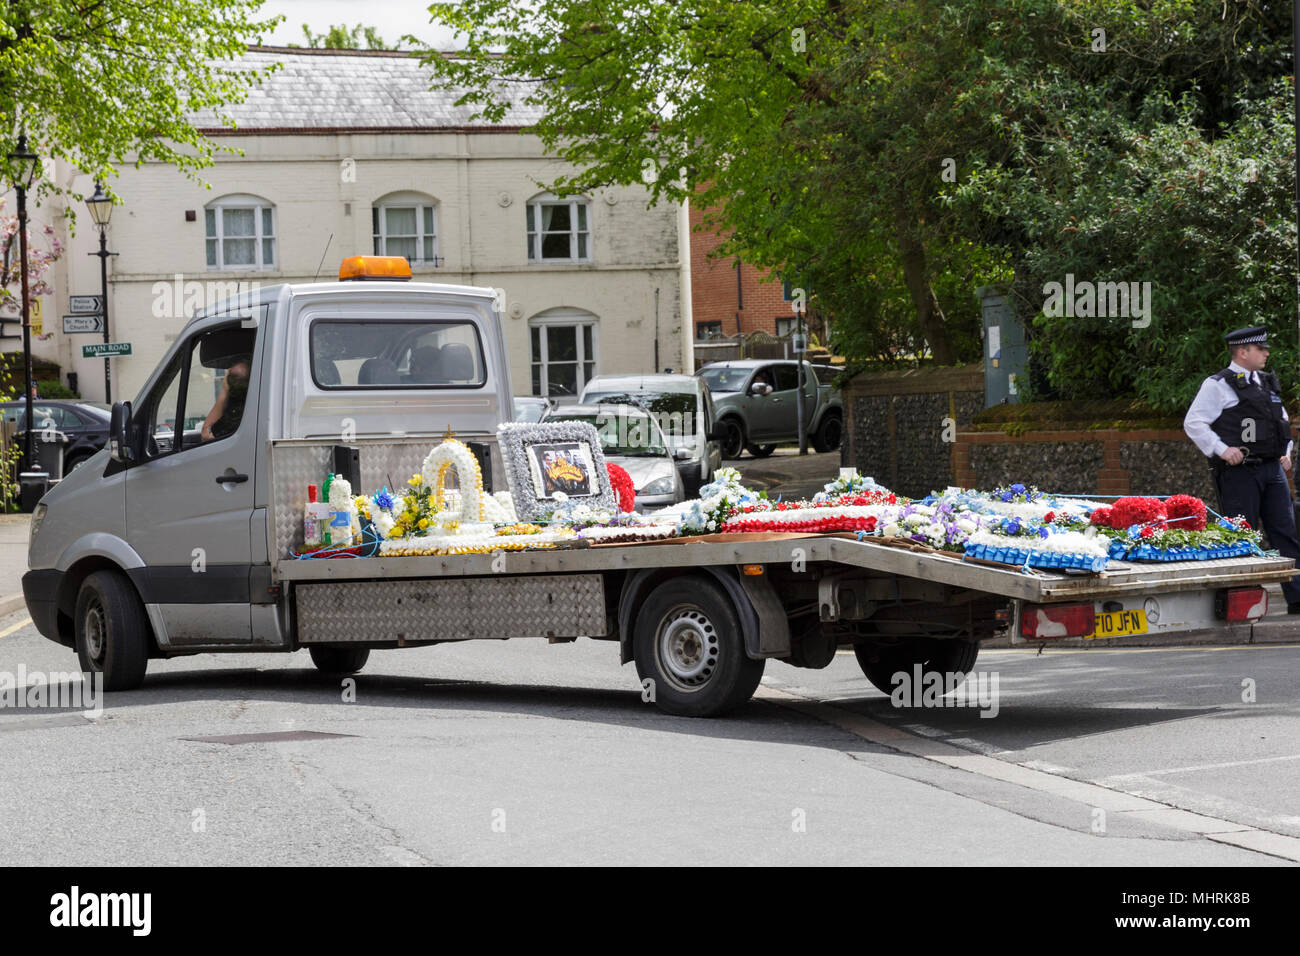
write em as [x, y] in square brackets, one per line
[569, 446]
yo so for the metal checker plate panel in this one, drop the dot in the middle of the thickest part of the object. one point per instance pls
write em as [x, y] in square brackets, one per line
[297, 464]
[451, 609]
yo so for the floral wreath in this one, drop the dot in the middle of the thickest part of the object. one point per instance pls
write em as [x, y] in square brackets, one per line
[452, 454]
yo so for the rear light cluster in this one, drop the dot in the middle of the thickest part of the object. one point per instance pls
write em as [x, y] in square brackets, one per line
[1241, 604]
[1057, 620]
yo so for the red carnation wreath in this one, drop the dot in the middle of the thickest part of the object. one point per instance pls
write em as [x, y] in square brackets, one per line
[624, 490]
[1191, 509]
[1127, 512]
[1100, 518]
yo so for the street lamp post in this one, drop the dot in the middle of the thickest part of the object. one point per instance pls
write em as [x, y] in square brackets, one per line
[101, 209]
[23, 165]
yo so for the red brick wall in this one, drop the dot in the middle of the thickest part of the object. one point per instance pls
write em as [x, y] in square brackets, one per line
[714, 295]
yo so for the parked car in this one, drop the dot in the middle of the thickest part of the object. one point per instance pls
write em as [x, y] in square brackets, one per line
[529, 408]
[754, 401]
[80, 427]
[632, 439]
[682, 406]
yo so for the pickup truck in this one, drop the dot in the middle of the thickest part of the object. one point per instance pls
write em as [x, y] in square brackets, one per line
[755, 407]
[155, 551]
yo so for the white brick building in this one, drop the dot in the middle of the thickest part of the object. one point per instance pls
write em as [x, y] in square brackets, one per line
[347, 153]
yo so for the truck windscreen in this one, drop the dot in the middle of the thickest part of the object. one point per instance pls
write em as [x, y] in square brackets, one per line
[355, 353]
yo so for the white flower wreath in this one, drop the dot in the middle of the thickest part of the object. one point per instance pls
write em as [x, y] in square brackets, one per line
[454, 455]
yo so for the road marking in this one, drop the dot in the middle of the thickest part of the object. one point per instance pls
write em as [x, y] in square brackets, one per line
[1204, 766]
[989, 750]
[16, 627]
[1119, 803]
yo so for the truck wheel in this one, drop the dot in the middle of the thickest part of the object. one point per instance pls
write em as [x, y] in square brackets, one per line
[112, 631]
[688, 643]
[944, 655]
[760, 451]
[829, 433]
[733, 438]
[339, 660]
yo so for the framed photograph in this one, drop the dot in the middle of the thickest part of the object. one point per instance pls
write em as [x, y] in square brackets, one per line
[561, 466]
[543, 460]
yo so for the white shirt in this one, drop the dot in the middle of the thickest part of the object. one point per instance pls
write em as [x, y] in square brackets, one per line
[1215, 395]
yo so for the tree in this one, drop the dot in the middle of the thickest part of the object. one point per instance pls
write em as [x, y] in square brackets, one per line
[893, 155]
[38, 261]
[733, 106]
[98, 82]
[1150, 144]
[341, 38]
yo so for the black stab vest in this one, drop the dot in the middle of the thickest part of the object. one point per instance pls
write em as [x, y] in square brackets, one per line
[1263, 404]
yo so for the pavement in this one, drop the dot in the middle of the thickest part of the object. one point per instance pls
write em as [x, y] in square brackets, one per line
[13, 561]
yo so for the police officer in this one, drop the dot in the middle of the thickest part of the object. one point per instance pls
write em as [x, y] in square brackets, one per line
[1238, 422]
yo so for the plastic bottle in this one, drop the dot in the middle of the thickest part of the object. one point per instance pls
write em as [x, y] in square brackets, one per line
[315, 519]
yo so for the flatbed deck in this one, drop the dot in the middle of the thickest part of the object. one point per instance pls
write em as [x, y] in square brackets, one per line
[1036, 586]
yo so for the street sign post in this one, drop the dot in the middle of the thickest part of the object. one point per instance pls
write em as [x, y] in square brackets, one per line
[74, 324]
[87, 304]
[106, 350]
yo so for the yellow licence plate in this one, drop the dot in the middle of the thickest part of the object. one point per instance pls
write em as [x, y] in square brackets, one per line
[1120, 623]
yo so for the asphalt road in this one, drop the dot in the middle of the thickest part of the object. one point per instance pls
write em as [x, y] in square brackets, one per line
[523, 752]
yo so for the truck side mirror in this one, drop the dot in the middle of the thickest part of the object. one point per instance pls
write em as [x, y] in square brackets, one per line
[759, 388]
[119, 433]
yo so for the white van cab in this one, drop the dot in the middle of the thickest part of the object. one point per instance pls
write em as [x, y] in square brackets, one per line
[176, 519]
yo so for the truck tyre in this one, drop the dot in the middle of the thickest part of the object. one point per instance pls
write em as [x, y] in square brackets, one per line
[944, 655]
[339, 660]
[688, 643]
[829, 433]
[733, 437]
[112, 631]
[760, 451]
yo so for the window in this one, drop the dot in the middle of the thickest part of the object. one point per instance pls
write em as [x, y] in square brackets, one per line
[786, 377]
[397, 354]
[240, 233]
[46, 416]
[787, 291]
[406, 225]
[563, 352]
[785, 325]
[558, 230]
[708, 330]
[201, 394]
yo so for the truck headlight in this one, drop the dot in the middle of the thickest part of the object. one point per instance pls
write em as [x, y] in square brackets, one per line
[37, 517]
[660, 486]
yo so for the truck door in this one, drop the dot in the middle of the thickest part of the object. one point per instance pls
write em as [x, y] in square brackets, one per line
[773, 416]
[189, 494]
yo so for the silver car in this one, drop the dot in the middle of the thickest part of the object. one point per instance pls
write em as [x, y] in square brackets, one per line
[683, 409]
[633, 440]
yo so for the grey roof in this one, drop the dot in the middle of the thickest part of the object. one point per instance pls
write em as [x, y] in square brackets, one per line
[328, 90]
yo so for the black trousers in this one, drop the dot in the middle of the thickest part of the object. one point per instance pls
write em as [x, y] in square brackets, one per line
[1261, 495]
